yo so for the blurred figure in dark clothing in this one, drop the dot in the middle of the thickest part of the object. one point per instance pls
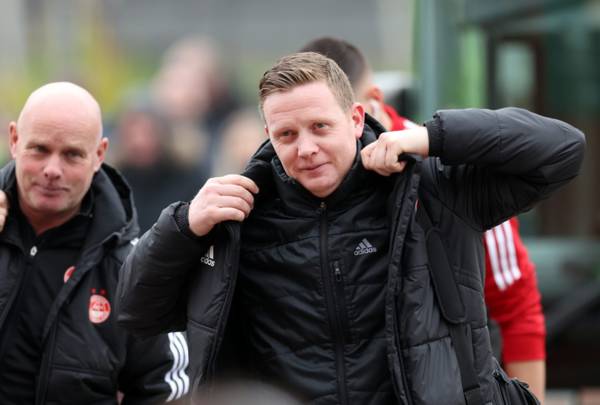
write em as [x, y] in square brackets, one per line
[156, 174]
[192, 89]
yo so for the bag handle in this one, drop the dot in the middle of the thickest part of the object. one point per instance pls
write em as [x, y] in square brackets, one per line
[452, 307]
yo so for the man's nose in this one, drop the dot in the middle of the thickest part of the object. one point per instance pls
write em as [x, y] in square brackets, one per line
[307, 145]
[53, 168]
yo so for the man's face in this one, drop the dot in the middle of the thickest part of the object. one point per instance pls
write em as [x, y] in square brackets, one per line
[56, 158]
[314, 138]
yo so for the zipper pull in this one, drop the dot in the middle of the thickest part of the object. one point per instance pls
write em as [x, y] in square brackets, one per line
[337, 272]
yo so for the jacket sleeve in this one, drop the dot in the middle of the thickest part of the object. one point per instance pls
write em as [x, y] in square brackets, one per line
[155, 370]
[152, 293]
[512, 294]
[490, 165]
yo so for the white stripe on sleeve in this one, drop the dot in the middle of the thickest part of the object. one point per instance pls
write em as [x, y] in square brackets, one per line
[185, 361]
[512, 253]
[176, 377]
[490, 242]
[503, 254]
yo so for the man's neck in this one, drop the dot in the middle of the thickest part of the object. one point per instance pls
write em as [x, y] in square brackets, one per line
[41, 222]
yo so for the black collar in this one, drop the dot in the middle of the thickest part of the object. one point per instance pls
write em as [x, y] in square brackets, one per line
[357, 184]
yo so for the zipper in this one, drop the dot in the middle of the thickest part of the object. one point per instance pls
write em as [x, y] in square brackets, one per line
[45, 367]
[335, 320]
[337, 272]
[341, 299]
[225, 312]
[397, 246]
[403, 370]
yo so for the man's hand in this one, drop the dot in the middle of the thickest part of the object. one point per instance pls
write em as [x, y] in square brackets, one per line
[3, 209]
[227, 198]
[533, 372]
[382, 155]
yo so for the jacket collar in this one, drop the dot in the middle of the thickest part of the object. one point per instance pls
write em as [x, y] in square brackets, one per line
[111, 206]
[357, 182]
[267, 171]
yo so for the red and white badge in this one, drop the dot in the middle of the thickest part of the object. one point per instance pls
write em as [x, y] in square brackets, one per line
[99, 309]
[68, 273]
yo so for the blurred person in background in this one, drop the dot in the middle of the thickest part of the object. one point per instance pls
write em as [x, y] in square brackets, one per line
[511, 292]
[242, 134]
[146, 157]
[325, 285]
[192, 89]
[70, 225]
[4, 154]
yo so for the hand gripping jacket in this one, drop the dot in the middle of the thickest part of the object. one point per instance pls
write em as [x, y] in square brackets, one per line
[486, 167]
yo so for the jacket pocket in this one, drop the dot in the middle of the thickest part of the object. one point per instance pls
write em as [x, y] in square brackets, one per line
[201, 340]
[419, 318]
[68, 385]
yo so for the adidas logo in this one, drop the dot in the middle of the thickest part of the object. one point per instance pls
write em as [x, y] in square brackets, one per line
[209, 257]
[364, 247]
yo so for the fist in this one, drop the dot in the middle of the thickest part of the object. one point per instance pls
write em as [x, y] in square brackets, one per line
[381, 156]
[227, 198]
[3, 209]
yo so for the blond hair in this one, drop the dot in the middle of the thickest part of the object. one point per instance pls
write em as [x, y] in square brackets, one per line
[303, 68]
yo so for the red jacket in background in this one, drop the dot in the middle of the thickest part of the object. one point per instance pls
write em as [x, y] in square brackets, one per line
[511, 292]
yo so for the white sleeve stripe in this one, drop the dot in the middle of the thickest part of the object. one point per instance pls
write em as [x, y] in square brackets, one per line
[177, 378]
[169, 376]
[185, 361]
[502, 253]
[179, 362]
[490, 241]
[512, 254]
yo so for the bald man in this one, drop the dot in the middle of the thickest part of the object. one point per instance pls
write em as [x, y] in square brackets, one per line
[71, 223]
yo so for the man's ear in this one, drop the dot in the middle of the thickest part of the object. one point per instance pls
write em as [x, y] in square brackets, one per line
[375, 93]
[358, 119]
[13, 137]
[101, 153]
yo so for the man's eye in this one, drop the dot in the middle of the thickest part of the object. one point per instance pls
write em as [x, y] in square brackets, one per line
[285, 134]
[73, 155]
[320, 125]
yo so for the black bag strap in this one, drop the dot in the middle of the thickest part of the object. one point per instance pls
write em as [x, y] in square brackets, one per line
[452, 307]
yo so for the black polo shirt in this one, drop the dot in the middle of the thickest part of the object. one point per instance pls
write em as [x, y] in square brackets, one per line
[47, 259]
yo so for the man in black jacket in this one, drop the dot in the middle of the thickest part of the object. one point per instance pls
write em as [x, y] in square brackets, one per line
[328, 285]
[72, 222]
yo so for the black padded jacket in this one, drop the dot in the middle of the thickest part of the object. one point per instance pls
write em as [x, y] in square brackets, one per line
[485, 167]
[85, 361]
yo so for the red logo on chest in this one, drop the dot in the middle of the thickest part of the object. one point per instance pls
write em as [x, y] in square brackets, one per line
[99, 308]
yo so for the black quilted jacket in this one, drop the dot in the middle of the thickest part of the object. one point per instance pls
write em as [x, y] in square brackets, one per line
[85, 362]
[335, 296]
